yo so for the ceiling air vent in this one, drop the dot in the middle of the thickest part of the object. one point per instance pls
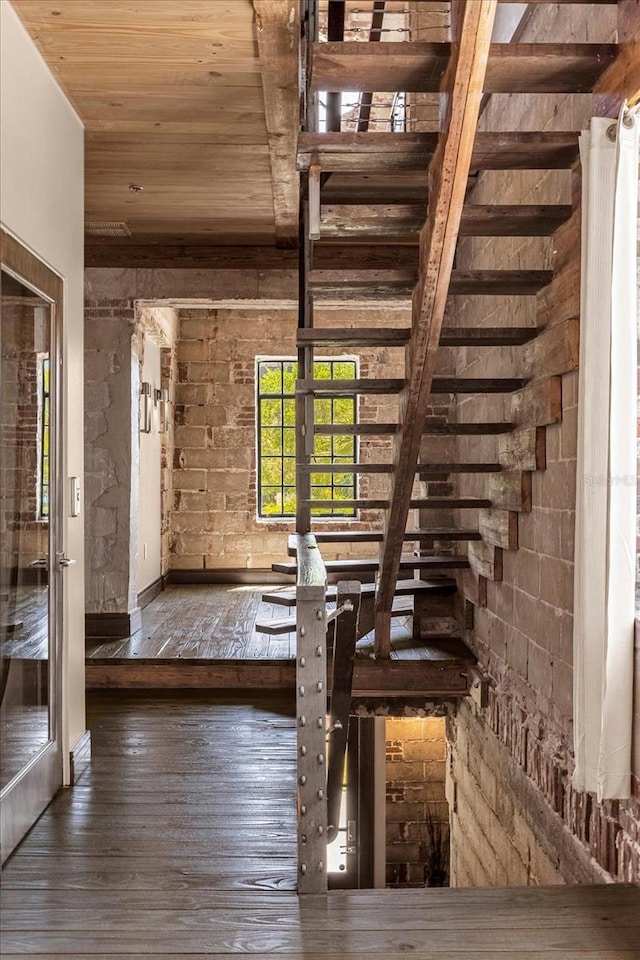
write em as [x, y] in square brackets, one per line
[107, 228]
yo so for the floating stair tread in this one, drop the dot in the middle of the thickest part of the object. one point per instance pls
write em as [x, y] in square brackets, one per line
[395, 385]
[477, 384]
[372, 152]
[362, 385]
[354, 337]
[431, 429]
[486, 336]
[424, 469]
[449, 337]
[437, 469]
[357, 429]
[279, 626]
[467, 429]
[404, 588]
[418, 67]
[433, 503]
[371, 566]
[403, 221]
[377, 536]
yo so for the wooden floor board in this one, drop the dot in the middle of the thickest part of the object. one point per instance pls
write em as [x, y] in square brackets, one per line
[179, 842]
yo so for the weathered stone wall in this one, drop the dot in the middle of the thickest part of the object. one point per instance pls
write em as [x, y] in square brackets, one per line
[115, 332]
[415, 772]
[111, 389]
[215, 522]
[520, 749]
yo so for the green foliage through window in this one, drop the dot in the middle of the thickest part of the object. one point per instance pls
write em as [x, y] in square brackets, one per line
[277, 439]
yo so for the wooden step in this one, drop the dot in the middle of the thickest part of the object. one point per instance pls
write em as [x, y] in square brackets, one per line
[354, 337]
[398, 222]
[423, 469]
[351, 468]
[280, 626]
[479, 429]
[347, 285]
[395, 385]
[435, 429]
[449, 337]
[404, 588]
[477, 384]
[486, 336]
[443, 469]
[372, 565]
[418, 67]
[355, 429]
[374, 152]
[377, 536]
[433, 503]
[363, 385]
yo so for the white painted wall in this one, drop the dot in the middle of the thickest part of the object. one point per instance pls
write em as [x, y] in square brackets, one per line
[42, 205]
[149, 502]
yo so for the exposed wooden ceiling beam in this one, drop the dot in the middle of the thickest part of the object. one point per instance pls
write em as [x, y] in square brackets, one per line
[448, 174]
[197, 256]
[419, 67]
[277, 25]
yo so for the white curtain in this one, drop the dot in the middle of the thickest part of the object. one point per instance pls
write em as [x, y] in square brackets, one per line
[604, 586]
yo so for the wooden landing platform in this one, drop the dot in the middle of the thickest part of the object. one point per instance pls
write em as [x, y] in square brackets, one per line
[179, 841]
[203, 636]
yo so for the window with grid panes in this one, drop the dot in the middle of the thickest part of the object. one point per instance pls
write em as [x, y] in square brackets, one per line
[276, 413]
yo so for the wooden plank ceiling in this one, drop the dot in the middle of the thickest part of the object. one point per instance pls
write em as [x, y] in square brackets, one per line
[171, 95]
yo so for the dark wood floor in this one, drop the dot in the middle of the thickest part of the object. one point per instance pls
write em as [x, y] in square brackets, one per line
[217, 622]
[179, 841]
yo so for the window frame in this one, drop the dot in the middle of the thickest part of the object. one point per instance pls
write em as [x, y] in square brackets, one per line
[331, 457]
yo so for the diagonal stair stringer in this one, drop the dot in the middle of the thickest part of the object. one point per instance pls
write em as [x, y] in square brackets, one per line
[448, 174]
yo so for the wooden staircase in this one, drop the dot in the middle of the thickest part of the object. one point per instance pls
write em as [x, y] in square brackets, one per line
[381, 217]
[365, 243]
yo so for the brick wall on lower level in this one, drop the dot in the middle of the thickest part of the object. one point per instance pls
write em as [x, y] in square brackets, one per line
[515, 817]
[415, 770]
[214, 520]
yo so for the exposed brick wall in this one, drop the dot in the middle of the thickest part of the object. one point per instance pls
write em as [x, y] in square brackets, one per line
[523, 636]
[415, 771]
[215, 496]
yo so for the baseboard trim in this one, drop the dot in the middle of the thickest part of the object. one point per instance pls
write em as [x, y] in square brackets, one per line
[151, 592]
[112, 626]
[80, 756]
[240, 575]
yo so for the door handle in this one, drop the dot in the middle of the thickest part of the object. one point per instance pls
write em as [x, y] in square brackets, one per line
[66, 562]
[40, 562]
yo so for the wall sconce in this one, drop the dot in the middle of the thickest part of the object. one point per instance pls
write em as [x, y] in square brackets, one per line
[145, 407]
[162, 399]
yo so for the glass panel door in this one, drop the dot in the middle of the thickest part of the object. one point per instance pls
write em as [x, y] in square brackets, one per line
[30, 769]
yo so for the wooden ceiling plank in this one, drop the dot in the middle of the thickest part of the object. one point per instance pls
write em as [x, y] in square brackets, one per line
[277, 24]
[448, 174]
[418, 67]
